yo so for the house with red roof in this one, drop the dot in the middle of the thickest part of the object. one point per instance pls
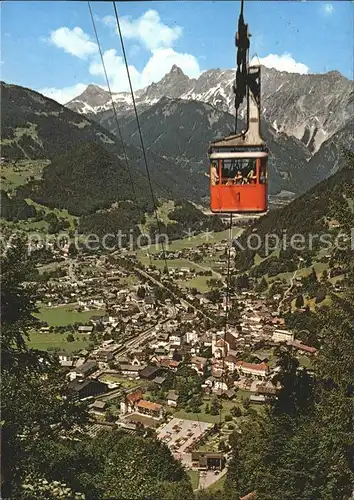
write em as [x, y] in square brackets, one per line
[303, 347]
[134, 403]
[149, 408]
[256, 369]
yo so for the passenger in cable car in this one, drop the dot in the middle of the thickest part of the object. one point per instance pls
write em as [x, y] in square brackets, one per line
[214, 175]
[263, 173]
[239, 177]
[252, 177]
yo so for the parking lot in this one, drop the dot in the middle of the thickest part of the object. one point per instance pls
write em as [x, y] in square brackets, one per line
[180, 434]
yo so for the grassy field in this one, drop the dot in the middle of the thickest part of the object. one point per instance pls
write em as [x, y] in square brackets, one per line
[218, 485]
[266, 353]
[192, 242]
[319, 267]
[336, 278]
[211, 261]
[211, 444]
[208, 263]
[269, 353]
[43, 341]
[194, 477]
[172, 263]
[125, 382]
[163, 212]
[61, 214]
[206, 417]
[66, 315]
[38, 226]
[312, 303]
[129, 281]
[305, 361]
[13, 176]
[199, 282]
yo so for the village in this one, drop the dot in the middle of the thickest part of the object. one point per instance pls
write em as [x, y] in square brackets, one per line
[159, 358]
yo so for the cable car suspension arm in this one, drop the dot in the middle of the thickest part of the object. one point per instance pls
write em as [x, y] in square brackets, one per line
[242, 43]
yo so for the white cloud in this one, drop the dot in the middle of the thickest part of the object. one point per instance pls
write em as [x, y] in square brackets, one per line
[328, 8]
[148, 29]
[284, 62]
[75, 42]
[162, 61]
[65, 94]
[116, 71]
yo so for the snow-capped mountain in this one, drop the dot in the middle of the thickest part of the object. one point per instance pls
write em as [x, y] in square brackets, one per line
[311, 108]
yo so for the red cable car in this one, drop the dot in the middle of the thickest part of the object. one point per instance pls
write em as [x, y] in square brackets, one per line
[238, 163]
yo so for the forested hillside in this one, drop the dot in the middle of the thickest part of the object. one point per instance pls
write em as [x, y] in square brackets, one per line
[36, 127]
[86, 179]
[325, 209]
[88, 174]
[16, 208]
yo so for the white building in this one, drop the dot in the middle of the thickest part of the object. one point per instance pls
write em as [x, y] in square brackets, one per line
[172, 399]
[282, 336]
[191, 337]
[219, 386]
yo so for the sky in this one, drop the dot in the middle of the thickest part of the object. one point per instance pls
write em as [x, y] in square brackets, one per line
[50, 46]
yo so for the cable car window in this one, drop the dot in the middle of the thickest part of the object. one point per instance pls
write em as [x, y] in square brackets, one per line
[239, 171]
[263, 171]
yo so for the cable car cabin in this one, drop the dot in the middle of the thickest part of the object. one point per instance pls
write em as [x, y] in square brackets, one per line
[238, 163]
[238, 181]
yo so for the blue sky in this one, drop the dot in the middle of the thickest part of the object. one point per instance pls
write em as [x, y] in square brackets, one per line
[50, 46]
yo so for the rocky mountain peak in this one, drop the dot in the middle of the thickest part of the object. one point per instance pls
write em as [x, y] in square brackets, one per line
[95, 89]
[174, 75]
[335, 74]
[176, 70]
[173, 84]
[94, 95]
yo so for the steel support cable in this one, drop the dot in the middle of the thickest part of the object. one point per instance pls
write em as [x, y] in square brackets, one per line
[113, 104]
[228, 277]
[139, 131]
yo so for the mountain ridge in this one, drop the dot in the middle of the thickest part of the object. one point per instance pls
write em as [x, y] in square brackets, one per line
[326, 207]
[36, 127]
[317, 112]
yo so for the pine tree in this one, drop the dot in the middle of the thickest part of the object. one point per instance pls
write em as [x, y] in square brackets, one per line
[299, 302]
